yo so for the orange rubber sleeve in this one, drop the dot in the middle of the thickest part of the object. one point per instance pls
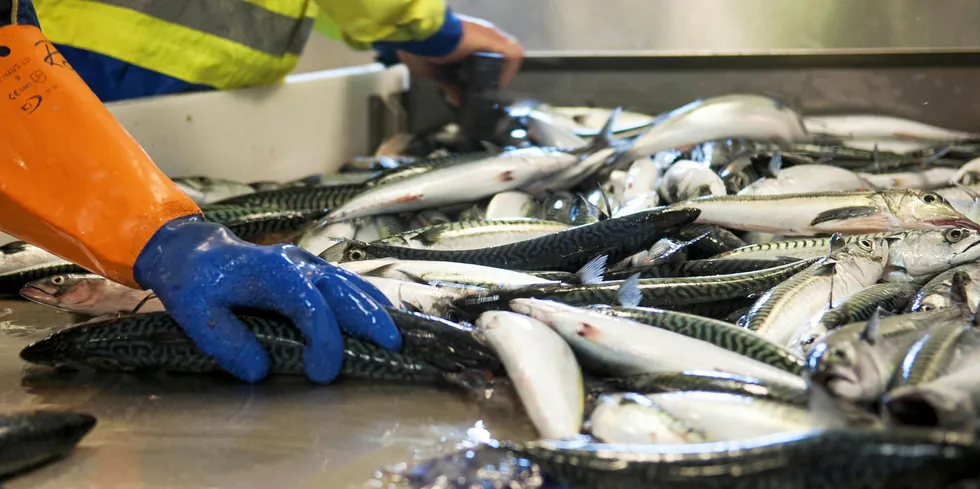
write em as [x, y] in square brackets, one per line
[72, 180]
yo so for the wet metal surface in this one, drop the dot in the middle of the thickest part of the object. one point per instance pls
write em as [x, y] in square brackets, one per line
[185, 431]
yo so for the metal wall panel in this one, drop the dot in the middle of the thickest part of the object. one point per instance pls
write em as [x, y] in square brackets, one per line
[697, 27]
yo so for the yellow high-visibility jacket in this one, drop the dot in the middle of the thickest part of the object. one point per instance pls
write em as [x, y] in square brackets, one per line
[230, 43]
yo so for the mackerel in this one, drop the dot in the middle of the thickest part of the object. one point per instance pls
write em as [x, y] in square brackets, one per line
[699, 268]
[437, 301]
[89, 294]
[155, 342]
[951, 401]
[687, 179]
[792, 248]
[859, 306]
[207, 190]
[810, 459]
[930, 357]
[438, 271]
[249, 223]
[543, 369]
[926, 179]
[17, 255]
[469, 235]
[830, 212]
[635, 418]
[881, 127]
[712, 240]
[457, 183]
[11, 282]
[718, 333]
[710, 381]
[788, 308]
[809, 178]
[568, 250]
[654, 292]
[301, 199]
[620, 347]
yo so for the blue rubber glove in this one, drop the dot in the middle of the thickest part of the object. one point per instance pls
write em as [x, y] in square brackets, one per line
[202, 272]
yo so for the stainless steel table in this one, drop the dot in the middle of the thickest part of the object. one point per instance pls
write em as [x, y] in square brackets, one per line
[188, 431]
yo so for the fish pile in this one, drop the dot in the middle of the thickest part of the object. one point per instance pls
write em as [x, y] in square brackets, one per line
[738, 296]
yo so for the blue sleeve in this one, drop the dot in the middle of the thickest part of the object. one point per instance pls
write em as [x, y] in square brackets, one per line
[443, 42]
[24, 10]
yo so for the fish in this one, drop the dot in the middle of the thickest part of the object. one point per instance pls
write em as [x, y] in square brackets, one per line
[206, 190]
[640, 203]
[642, 178]
[568, 250]
[709, 381]
[543, 368]
[814, 459]
[512, 204]
[857, 361]
[868, 126]
[938, 293]
[951, 401]
[698, 268]
[786, 311]
[89, 294]
[829, 212]
[859, 306]
[543, 129]
[13, 281]
[475, 234]
[422, 165]
[300, 199]
[752, 117]
[931, 356]
[718, 333]
[620, 347]
[34, 438]
[635, 418]
[443, 272]
[155, 342]
[810, 178]
[437, 301]
[588, 121]
[968, 174]
[457, 183]
[18, 255]
[711, 240]
[687, 179]
[320, 237]
[927, 179]
[662, 292]
[251, 223]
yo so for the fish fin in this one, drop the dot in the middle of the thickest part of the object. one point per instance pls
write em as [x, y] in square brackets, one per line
[491, 148]
[843, 214]
[429, 237]
[413, 278]
[959, 284]
[874, 157]
[872, 330]
[629, 293]
[592, 272]
[935, 156]
[837, 243]
[608, 212]
[775, 163]
[591, 209]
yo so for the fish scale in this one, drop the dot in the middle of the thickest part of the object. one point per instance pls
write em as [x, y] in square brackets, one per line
[892, 297]
[655, 292]
[929, 357]
[700, 268]
[154, 341]
[760, 313]
[298, 198]
[408, 169]
[443, 236]
[566, 251]
[718, 333]
[827, 459]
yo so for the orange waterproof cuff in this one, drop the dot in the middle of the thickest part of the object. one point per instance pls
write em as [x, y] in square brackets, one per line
[72, 180]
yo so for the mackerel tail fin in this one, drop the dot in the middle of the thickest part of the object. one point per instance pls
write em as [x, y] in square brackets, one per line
[604, 139]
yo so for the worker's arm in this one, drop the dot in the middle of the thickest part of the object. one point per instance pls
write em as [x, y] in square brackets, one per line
[76, 184]
[424, 34]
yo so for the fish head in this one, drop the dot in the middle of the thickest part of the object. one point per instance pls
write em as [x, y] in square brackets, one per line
[932, 302]
[346, 250]
[929, 405]
[931, 251]
[851, 369]
[867, 256]
[918, 209]
[65, 290]
[54, 351]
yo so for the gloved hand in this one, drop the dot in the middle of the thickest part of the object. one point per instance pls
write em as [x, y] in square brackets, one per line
[202, 272]
[459, 38]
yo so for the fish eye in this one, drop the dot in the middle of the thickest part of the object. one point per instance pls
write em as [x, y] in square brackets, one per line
[955, 234]
[930, 198]
[926, 308]
[58, 280]
[356, 255]
[866, 244]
